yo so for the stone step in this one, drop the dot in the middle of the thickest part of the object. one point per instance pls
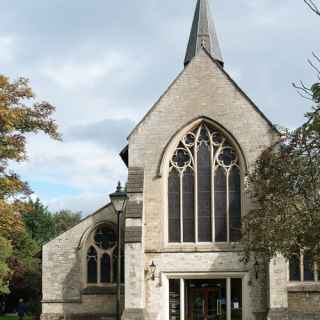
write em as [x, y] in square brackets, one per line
[91, 317]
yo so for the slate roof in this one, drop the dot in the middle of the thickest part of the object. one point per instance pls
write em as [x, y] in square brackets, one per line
[203, 34]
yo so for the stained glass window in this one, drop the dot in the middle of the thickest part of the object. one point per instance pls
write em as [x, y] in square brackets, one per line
[102, 255]
[188, 206]
[105, 268]
[174, 207]
[220, 202]
[204, 192]
[308, 268]
[204, 188]
[92, 272]
[104, 238]
[303, 268]
[235, 204]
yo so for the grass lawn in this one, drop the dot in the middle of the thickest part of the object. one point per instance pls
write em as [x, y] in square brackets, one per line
[13, 318]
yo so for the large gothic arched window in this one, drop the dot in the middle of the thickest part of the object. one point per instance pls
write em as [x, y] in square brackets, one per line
[204, 188]
[101, 256]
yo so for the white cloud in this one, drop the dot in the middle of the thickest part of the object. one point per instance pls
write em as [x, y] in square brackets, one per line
[114, 64]
[76, 73]
[87, 203]
[85, 166]
[7, 48]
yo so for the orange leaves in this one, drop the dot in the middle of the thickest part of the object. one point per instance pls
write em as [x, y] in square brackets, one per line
[20, 115]
[10, 219]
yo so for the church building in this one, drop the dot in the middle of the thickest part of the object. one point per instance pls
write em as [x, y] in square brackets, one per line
[181, 253]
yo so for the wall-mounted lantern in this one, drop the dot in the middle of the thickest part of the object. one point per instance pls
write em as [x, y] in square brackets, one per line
[152, 269]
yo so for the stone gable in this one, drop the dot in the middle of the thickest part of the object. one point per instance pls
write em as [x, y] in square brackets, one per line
[63, 275]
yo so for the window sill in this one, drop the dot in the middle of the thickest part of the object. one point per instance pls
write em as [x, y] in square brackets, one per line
[304, 287]
[107, 290]
[199, 247]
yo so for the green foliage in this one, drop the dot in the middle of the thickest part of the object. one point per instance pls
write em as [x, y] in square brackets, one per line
[39, 222]
[285, 186]
[23, 254]
[26, 266]
[43, 225]
[316, 92]
[5, 253]
[20, 115]
[64, 220]
[40, 227]
[13, 318]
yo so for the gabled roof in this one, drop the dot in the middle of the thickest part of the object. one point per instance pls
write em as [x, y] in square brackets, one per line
[203, 37]
[243, 93]
[203, 34]
[83, 219]
[233, 82]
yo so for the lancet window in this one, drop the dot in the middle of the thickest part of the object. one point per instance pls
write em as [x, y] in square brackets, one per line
[204, 188]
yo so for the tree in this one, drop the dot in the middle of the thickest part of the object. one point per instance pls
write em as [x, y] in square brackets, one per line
[5, 253]
[64, 220]
[20, 115]
[39, 222]
[25, 281]
[43, 225]
[285, 186]
[40, 227]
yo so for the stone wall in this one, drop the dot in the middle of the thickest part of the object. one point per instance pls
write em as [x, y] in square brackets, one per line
[202, 91]
[304, 304]
[197, 265]
[277, 287]
[134, 249]
[63, 277]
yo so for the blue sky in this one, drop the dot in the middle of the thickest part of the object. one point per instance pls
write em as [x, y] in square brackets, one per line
[104, 63]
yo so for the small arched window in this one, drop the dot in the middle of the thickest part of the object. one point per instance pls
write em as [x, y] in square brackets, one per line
[92, 269]
[101, 253]
[204, 188]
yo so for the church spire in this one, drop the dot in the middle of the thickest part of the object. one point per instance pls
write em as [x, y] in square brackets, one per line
[203, 34]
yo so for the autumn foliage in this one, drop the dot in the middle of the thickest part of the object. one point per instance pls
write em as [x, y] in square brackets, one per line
[20, 115]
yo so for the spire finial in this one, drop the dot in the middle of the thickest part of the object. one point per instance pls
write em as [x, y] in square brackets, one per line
[203, 34]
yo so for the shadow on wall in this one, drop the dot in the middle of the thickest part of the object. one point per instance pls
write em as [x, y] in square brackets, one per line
[72, 289]
[81, 303]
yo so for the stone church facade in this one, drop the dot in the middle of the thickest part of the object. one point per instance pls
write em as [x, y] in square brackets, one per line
[187, 160]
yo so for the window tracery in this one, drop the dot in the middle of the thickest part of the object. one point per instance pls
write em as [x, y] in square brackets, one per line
[204, 188]
[101, 254]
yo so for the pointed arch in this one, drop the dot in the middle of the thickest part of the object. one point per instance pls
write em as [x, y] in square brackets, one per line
[99, 249]
[177, 136]
[203, 166]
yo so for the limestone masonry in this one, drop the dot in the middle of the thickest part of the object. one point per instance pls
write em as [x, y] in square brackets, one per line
[192, 279]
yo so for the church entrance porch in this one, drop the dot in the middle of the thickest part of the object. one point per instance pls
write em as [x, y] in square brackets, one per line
[205, 299]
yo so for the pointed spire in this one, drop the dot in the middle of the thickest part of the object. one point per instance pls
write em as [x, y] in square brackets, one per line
[203, 34]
